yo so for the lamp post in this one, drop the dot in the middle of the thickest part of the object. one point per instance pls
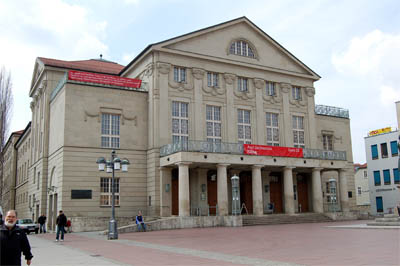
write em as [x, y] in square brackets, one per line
[111, 166]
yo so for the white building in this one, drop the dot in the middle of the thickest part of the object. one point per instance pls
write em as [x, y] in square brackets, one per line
[361, 182]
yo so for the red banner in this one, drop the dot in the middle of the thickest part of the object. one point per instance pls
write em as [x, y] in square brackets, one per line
[264, 150]
[104, 79]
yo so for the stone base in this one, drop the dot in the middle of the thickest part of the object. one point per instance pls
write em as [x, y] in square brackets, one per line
[341, 216]
[387, 220]
[86, 224]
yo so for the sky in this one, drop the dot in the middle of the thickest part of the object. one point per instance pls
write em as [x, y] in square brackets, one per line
[354, 45]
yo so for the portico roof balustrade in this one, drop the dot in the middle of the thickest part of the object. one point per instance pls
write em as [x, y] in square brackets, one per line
[237, 148]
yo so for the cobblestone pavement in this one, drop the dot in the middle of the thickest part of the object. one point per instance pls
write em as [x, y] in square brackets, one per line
[339, 243]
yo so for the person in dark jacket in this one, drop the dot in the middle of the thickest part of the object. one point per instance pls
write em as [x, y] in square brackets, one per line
[42, 223]
[61, 222]
[13, 242]
[140, 222]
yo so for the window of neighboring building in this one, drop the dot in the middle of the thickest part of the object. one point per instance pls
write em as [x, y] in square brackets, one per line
[365, 174]
[379, 204]
[374, 151]
[350, 194]
[327, 141]
[298, 131]
[241, 48]
[394, 148]
[212, 79]
[180, 74]
[213, 120]
[180, 122]
[244, 126]
[377, 178]
[296, 93]
[110, 130]
[243, 85]
[384, 150]
[386, 177]
[270, 88]
[272, 129]
[396, 176]
[359, 190]
[106, 193]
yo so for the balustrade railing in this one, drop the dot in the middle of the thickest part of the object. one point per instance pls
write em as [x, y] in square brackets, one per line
[331, 111]
[324, 155]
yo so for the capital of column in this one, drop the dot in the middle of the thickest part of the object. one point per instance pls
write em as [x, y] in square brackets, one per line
[183, 163]
[229, 78]
[288, 167]
[258, 83]
[285, 87]
[198, 73]
[223, 165]
[163, 67]
[317, 169]
[257, 166]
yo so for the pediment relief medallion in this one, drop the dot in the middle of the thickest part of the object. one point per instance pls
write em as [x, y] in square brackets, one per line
[181, 86]
[149, 70]
[310, 91]
[245, 95]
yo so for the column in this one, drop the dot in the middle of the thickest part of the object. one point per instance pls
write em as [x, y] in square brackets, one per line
[310, 92]
[317, 191]
[198, 75]
[222, 186]
[165, 191]
[257, 190]
[162, 118]
[287, 118]
[344, 200]
[184, 202]
[231, 115]
[288, 189]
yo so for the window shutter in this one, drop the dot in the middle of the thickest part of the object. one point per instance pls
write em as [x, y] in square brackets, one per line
[393, 147]
[377, 178]
[374, 151]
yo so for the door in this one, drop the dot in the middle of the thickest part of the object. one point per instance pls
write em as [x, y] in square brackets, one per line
[379, 204]
[246, 192]
[175, 192]
[50, 214]
[55, 206]
[212, 192]
[276, 194]
[302, 193]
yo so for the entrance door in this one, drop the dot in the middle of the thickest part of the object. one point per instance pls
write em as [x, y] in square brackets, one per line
[276, 194]
[302, 192]
[175, 192]
[212, 193]
[379, 204]
[246, 192]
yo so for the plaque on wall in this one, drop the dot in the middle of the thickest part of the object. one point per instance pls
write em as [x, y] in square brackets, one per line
[81, 194]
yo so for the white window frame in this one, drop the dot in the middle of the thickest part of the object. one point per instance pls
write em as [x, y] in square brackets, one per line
[213, 123]
[106, 193]
[243, 84]
[180, 74]
[212, 80]
[272, 129]
[241, 48]
[180, 122]
[270, 88]
[298, 131]
[327, 142]
[244, 126]
[296, 93]
[110, 130]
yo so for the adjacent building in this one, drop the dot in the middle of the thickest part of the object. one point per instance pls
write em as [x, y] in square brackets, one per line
[361, 182]
[223, 101]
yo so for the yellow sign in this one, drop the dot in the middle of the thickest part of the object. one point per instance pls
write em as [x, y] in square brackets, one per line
[380, 131]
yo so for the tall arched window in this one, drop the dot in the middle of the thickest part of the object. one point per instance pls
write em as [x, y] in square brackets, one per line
[241, 48]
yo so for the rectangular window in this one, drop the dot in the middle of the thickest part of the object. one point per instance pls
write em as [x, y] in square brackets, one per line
[377, 178]
[386, 177]
[38, 180]
[110, 130]
[212, 79]
[180, 122]
[244, 126]
[396, 176]
[106, 192]
[359, 190]
[384, 150]
[243, 85]
[272, 129]
[350, 194]
[379, 204]
[180, 74]
[327, 141]
[298, 131]
[394, 148]
[270, 88]
[374, 151]
[296, 93]
[213, 121]
[365, 174]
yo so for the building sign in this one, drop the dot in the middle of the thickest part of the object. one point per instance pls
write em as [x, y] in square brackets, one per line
[380, 131]
[264, 150]
[103, 79]
[81, 194]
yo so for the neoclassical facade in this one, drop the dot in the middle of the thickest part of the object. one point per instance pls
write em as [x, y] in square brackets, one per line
[218, 102]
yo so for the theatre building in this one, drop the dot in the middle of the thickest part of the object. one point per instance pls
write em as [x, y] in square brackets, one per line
[223, 101]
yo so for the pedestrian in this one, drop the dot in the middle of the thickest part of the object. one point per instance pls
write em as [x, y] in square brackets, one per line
[1, 218]
[140, 222]
[42, 223]
[69, 226]
[13, 242]
[61, 222]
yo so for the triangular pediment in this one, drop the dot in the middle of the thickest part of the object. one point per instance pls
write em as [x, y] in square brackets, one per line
[215, 41]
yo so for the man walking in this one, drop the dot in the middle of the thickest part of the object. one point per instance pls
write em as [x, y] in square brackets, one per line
[42, 223]
[61, 222]
[13, 242]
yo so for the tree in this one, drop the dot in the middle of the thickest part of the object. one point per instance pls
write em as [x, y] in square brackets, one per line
[6, 104]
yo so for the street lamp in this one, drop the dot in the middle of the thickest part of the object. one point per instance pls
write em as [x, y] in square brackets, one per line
[112, 165]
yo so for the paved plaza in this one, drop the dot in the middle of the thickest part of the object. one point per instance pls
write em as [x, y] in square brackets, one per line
[339, 243]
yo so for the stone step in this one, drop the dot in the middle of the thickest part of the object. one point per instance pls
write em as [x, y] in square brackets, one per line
[249, 220]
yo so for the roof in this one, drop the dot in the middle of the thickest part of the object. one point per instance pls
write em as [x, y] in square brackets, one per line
[360, 166]
[92, 65]
[28, 126]
[15, 133]
[236, 20]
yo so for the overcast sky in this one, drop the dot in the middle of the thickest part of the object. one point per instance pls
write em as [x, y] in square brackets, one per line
[353, 45]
